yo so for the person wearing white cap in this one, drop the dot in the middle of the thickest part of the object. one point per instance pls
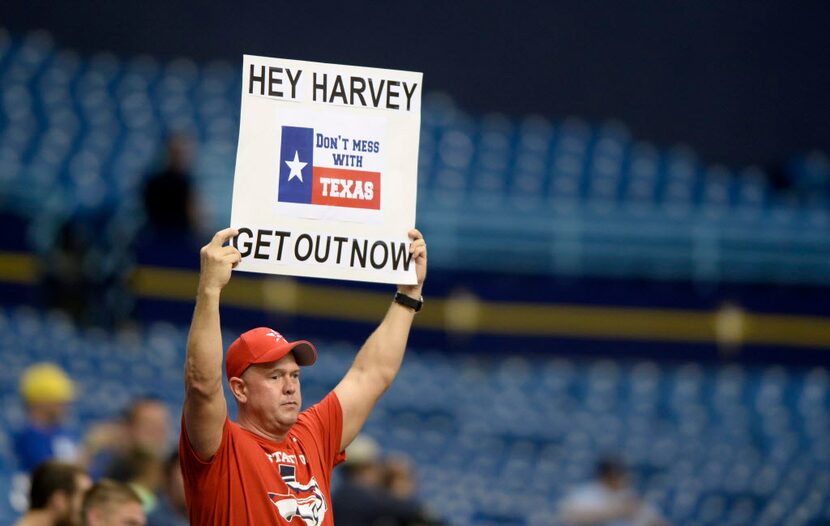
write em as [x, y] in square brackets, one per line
[273, 465]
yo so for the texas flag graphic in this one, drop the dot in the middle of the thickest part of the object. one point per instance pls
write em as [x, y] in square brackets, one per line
[306, 180]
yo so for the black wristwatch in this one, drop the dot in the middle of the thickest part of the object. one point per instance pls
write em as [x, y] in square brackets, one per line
[410, 302]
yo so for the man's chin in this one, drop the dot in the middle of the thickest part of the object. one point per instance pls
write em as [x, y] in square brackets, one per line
[289, 417]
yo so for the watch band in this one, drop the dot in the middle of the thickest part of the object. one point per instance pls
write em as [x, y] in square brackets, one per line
[408, 301]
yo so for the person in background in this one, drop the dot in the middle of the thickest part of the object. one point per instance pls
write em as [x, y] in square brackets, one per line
[46, 391]
[142, 470]
[365, 497]
[399, 477]
[173, 219]
[608, 501]
[169, 201]
[145, 425]
[171, 509]
[110, 503]
[55, 495]
[148, 424]
[70, 278]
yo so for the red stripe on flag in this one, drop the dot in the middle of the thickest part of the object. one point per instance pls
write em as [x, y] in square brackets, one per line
[347, 188]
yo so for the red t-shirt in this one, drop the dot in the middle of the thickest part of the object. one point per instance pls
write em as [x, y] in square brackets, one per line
[255, 481]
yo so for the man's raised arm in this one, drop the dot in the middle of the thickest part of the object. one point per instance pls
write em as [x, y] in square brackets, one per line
[378, 361]
[204, 403]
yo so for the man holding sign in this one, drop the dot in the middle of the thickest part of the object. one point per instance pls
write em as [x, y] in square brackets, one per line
[273, 465]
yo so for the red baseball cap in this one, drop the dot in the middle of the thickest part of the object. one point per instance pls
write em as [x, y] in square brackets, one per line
[264, 345]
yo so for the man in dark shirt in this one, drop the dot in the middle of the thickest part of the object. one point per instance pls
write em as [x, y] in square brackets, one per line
[168, 196]
[361, 499]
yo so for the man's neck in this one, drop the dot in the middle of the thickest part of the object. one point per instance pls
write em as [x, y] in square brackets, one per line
[41, 419]
[250, 425]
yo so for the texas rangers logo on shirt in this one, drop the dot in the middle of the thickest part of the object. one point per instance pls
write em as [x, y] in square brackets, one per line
[319, 168]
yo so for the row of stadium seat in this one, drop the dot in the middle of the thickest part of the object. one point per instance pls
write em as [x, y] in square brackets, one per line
[79, 133]
[494, 435]
[79, 116]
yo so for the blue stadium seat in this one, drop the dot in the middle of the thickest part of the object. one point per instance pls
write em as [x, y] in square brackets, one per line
[709, 444]
[62, 109]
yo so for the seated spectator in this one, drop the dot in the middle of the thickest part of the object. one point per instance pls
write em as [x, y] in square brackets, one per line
[608, 501]
[361, 498]
[110, 503]
[148, 424]
[76, 275]
[142, 470]
[171, 509]
[399, 477]
[47, 392]
[55, 495]
[145, 425]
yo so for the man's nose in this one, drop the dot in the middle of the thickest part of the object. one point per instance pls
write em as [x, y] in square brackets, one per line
[291, 385]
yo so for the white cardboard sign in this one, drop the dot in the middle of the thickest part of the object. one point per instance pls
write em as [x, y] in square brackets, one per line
[326, 170]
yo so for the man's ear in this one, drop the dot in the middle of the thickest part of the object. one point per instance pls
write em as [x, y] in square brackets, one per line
[239, 389]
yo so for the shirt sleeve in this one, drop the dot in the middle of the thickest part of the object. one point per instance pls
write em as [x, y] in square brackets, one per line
[192, 465]
[324, 422]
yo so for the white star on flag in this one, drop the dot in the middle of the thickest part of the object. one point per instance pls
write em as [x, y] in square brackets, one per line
[296, 167]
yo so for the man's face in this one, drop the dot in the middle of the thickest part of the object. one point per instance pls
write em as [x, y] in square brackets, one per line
[273, 393]
[120, 514]
[51, 413]
[616, 480]
[71, 515]
[150, 425]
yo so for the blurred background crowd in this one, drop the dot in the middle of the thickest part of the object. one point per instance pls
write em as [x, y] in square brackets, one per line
[628, 213]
